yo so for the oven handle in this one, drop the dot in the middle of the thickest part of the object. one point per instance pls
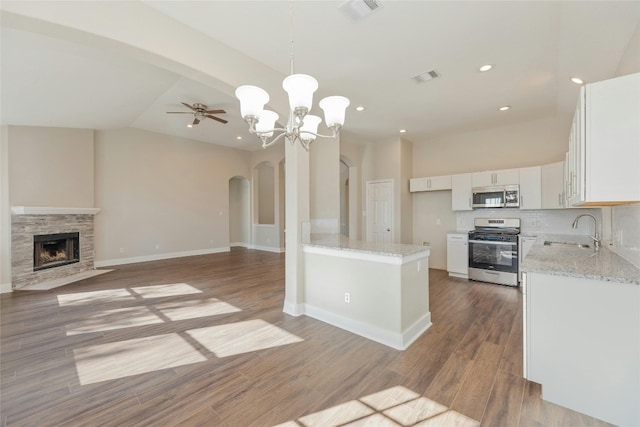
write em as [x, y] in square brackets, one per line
[489, 242]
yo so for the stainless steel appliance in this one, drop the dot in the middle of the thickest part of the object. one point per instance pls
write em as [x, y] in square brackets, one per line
[493, 251]
[500, 196]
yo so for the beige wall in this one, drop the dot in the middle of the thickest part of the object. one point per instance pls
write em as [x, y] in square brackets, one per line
[354, 152]
[324, 169]
[160, 194]
[265, 192]
[532, 143]
[630, 62]
[406, 201]
[432, 219]
[51, 167]
[239, 211]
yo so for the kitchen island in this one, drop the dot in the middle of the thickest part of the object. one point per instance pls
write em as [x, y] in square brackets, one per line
[376, 290]
[582, 330]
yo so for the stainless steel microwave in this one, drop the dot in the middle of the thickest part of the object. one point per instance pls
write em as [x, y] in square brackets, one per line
[501, 196]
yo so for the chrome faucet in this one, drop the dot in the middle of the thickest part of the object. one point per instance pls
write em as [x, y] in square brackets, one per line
[596, 236]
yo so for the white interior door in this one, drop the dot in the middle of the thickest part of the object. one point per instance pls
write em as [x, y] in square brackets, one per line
[380, 211]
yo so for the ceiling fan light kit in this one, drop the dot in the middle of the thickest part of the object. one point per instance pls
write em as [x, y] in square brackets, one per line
[200, 111]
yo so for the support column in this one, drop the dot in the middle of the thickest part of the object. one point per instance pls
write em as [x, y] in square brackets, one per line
[297, 212]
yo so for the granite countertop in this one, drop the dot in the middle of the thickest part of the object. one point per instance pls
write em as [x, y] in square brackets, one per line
[332, 241]
[586, 263]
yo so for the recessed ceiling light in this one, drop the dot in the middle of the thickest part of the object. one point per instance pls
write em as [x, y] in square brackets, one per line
[238, 138]
[403, 131]
[485, 67]
[190, 125]
[359, 108]
[505, 108]
[577, 80]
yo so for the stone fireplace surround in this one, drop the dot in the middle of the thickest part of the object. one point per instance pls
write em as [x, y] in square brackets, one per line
[29, 221]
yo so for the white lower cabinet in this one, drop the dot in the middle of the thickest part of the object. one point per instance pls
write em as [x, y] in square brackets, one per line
[582, 344]
[458, 255]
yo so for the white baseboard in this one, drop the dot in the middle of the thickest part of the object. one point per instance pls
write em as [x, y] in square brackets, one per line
[5, 288]
[241, 244]
[293, 309]
[157, 257]
[388, 338]
[267, 248]
[458, 275]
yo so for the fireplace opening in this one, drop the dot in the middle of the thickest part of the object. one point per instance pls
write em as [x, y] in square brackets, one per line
[54, 250]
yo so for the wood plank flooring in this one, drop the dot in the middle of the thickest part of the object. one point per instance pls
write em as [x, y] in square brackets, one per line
[202, 341]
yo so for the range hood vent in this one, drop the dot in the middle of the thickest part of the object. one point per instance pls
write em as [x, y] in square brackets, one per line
[358, 9]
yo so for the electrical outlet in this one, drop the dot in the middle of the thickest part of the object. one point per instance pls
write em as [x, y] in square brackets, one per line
[121, 250]
[347, 297]
[157, 245]
[438, 222]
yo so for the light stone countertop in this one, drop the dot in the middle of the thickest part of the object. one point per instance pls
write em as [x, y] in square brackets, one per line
[339, 242]
[585, 263]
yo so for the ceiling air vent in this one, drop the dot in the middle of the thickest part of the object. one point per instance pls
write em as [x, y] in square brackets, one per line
[426, 76]
[358, 9]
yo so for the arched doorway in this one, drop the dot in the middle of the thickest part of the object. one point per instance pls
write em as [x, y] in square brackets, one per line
[348, 198]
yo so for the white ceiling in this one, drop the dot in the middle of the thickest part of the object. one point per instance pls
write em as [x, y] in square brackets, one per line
[536, 46]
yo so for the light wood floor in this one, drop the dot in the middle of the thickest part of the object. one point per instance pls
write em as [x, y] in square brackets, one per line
[202, 341]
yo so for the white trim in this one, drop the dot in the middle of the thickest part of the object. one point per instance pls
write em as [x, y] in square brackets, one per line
[367, 256]
[265, 225]
[157, 257]
[293, 309]
[242, 244]
[266, 248]
[391, 339]
[458, 275]
[37, 210]
[5, 288]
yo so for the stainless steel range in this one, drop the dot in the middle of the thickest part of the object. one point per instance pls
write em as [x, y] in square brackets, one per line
[493, 251]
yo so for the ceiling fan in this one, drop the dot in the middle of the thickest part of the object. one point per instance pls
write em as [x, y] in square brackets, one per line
[199, 112]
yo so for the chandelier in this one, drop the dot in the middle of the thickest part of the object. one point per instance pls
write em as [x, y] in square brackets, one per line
[301, 126]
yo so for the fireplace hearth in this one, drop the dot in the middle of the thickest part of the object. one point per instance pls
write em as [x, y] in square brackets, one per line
[55, 250]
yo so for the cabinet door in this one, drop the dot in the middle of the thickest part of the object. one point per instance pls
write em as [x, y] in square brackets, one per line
[530, 188]
[461, 192]
[576, 183]
[440, 183]
[507, 177]
[457, 254]
[552, 177]
[482, 179]
[418, 184]
[612, 140]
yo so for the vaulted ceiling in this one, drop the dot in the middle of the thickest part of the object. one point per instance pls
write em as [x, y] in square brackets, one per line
[535, 48]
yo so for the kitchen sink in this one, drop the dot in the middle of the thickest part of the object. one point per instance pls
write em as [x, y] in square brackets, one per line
[566, 244]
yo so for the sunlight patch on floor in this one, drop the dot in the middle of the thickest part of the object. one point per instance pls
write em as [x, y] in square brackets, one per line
[395, 406]
[242, 337]
[183, 310]
[159, 291]
[108, 320]
[132, 357]
[94, 297]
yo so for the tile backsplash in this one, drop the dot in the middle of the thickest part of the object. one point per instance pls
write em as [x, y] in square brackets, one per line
[538, 222]
[625, 230]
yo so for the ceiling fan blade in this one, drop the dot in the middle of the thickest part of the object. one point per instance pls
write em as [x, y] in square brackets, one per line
[216, 112]
[217, 118]
[196, 121]
[188, 106]
[179, 112]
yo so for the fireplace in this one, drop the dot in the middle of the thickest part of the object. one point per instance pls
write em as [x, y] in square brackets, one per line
[54, 250]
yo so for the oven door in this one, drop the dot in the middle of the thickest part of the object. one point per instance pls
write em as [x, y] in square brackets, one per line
[494, 256]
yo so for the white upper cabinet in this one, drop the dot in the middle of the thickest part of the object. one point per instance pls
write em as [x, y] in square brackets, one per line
[501, 177]
[552, 177]
[530, 188]
[461, 192]
[604, 144]
[432, 183]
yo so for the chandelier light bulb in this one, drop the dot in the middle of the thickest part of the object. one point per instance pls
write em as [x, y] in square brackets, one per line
[252, 100]
[266, 122]
[334, 108]
[300, 88]
[310, 127]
